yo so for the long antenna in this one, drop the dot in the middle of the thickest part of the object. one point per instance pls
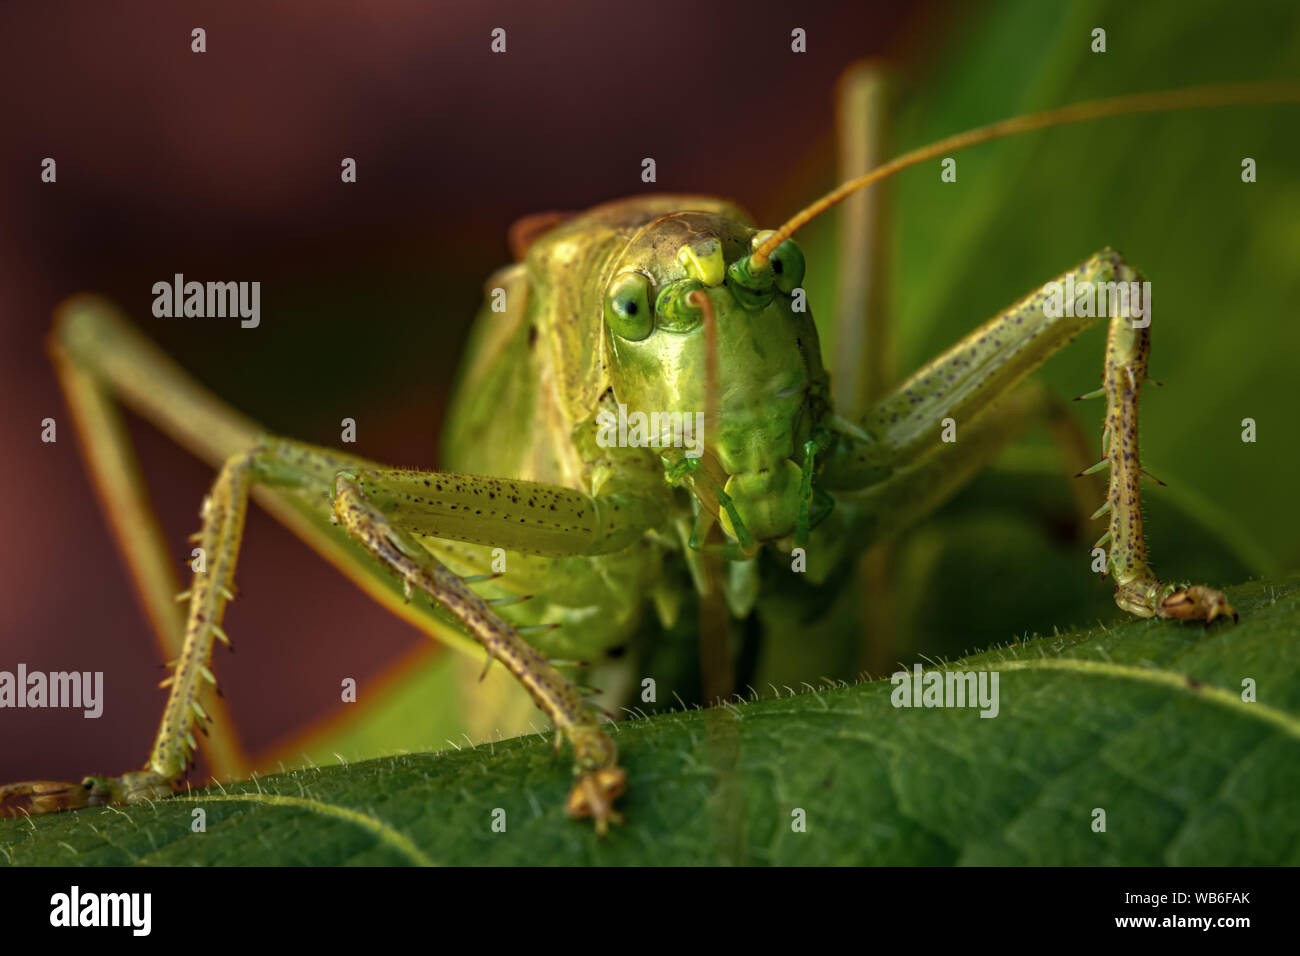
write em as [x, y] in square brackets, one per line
[1197, 97]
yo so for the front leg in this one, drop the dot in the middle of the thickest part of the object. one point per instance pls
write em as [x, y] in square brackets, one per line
[1138, 590]
[537, 517]
[898, 468]
[377, 508]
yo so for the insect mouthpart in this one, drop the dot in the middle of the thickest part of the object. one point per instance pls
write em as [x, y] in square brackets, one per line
[751, 507]
[767, 500]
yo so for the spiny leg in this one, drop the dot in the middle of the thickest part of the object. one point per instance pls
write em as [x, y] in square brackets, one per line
[897, 452]
[518, 515]
[210, 589]
[273, 462]
[385, 509]
[900, 440]
[388, 536]
[986, 364]
[115, 362]
[103, 360]
[1138, 590]
[863, 460]
[93, 374]
[124, 498]
[94, 336]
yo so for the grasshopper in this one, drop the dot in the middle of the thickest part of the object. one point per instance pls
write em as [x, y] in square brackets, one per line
[678, 309]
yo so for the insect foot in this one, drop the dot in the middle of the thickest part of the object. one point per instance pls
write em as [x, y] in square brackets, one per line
[1147, 597]
[41, 796]
[50, 796]
[1196, 603]
[600, 780]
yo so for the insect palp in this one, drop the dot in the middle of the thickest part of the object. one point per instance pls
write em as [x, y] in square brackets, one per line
[821, 441]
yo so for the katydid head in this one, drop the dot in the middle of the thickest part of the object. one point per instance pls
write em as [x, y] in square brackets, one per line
[727, 359]
[702, 321]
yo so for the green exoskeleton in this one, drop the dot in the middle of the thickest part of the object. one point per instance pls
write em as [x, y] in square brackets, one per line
[651, 407]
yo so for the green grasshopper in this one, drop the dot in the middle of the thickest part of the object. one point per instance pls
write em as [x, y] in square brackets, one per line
[673, 307]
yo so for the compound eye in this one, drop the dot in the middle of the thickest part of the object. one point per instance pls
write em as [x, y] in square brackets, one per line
[788, 265]
[627, 307]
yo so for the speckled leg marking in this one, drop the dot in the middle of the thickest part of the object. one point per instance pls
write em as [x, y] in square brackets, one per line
[905, 471]
[378, 507]
[524, 516]
[904, 426]
[1137, 590]
[600, 779]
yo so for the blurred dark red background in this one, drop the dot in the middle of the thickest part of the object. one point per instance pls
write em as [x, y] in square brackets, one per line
[225, 165]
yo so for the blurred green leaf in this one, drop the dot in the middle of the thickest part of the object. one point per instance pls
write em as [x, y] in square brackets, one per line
[1163, 189]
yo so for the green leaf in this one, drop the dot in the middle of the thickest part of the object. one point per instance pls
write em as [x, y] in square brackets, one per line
[1144, 720]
